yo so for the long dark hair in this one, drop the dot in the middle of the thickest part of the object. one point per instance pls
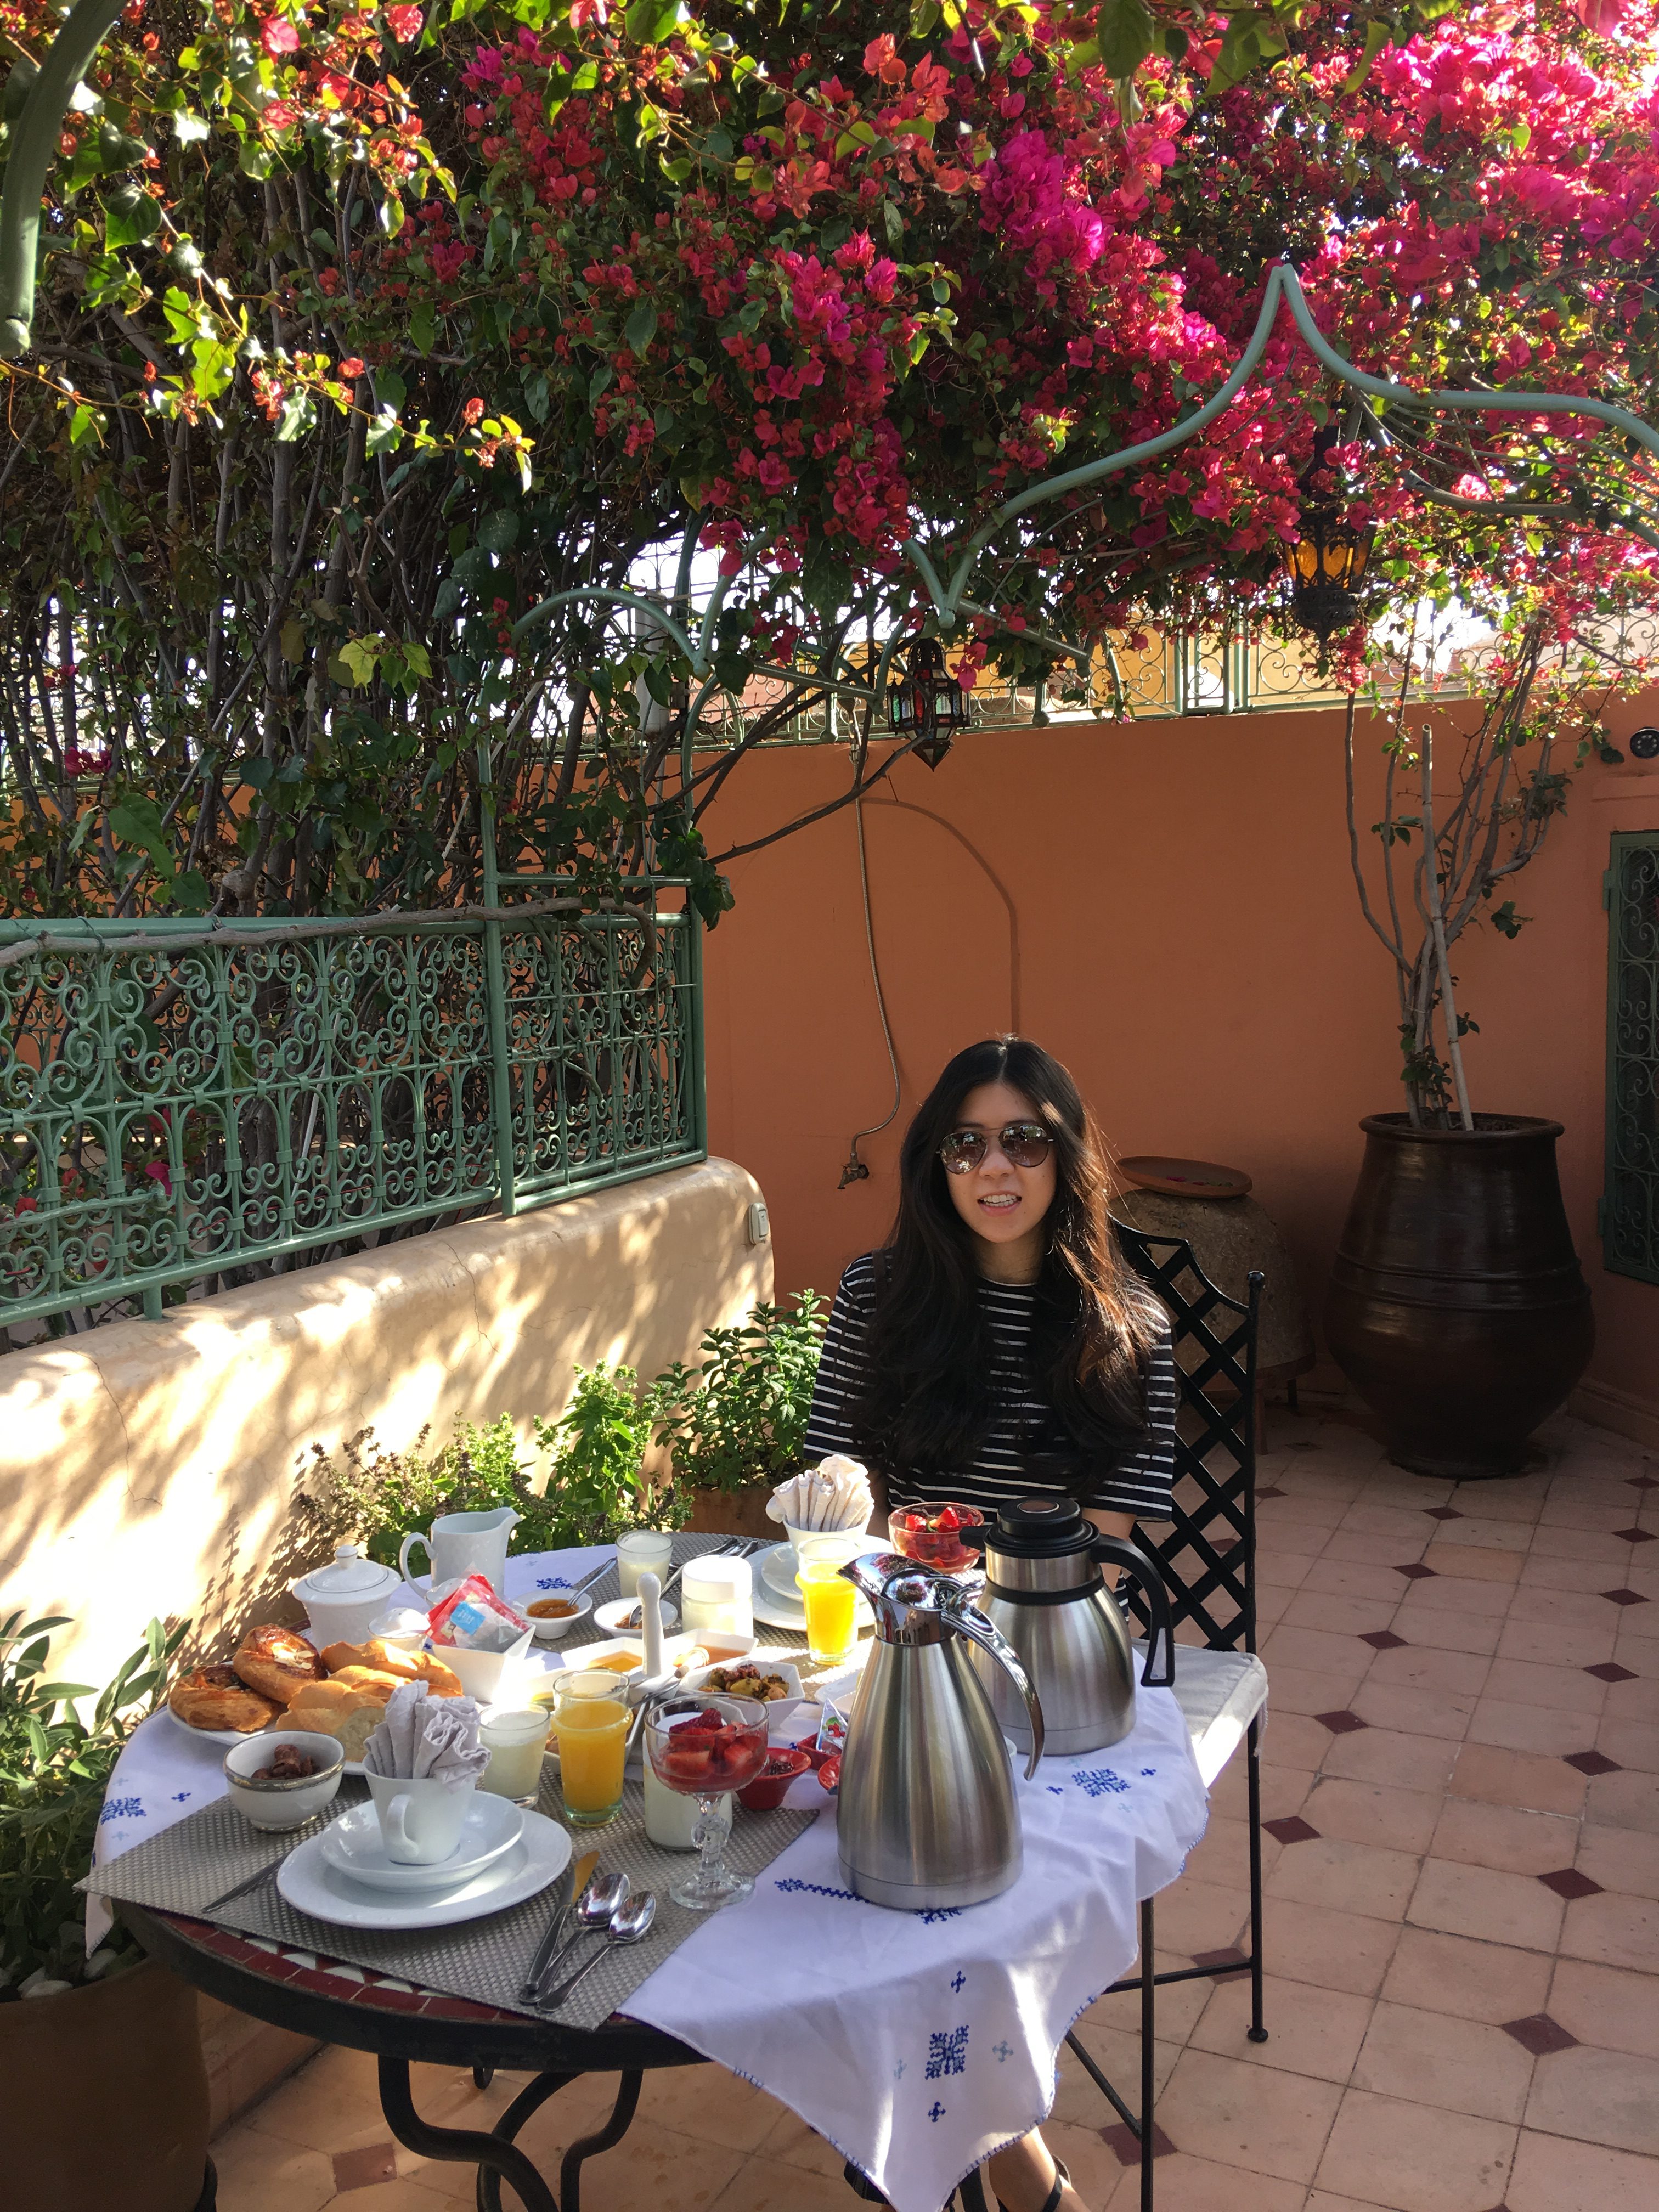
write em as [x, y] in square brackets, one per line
[928, 1402]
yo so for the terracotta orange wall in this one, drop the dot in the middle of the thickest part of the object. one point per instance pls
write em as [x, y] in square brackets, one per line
[1168, 907]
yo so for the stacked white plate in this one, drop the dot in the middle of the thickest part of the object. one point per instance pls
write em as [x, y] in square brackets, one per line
[504, 1855]
[777, 1601]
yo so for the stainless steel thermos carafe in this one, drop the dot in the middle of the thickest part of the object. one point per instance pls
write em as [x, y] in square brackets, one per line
[926, 1814]
[1043, 1592]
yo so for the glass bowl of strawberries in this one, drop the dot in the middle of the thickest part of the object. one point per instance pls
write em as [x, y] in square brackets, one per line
[932, 1535]
[707, 1747]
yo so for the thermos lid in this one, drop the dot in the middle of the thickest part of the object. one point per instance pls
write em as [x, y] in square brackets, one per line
[1042, 1527]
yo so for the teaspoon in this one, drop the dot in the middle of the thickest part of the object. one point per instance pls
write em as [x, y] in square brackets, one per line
[592, 1912]
[628, 1924]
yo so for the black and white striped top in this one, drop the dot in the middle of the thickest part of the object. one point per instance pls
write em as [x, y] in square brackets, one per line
[1138, 1482]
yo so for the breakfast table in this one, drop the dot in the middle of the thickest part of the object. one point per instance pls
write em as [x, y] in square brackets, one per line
[917, 2044]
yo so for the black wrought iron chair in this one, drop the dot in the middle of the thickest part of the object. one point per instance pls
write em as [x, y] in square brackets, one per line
[1208, 1560]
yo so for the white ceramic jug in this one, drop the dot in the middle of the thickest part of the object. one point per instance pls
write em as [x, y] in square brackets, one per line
[461, 1544]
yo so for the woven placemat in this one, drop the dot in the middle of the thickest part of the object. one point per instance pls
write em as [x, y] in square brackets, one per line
[199, 1858]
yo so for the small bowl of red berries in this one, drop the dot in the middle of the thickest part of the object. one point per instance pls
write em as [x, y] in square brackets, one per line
[932, 1535]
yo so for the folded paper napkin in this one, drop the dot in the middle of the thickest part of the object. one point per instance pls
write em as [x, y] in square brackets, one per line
[426, 1738]
[834, 1495]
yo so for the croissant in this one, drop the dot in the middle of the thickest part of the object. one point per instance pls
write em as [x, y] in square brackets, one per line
[276, 1662]
[216, 1698]
[384, 1659]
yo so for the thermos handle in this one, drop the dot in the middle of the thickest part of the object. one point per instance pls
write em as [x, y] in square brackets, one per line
[953, 1604]
[1115, 1551]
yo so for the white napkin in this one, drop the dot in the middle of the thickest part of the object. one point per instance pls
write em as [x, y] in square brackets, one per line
[834, 1495]
[423, 1738]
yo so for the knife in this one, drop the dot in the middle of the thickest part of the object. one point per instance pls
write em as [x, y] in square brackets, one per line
[555, 1926]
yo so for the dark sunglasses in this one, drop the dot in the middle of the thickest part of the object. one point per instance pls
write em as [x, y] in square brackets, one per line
[1023, 1145]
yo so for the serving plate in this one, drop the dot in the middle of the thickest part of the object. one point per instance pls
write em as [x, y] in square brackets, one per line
[310, 1885]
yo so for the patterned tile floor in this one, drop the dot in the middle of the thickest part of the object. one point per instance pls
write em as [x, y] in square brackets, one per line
[1462, 1879]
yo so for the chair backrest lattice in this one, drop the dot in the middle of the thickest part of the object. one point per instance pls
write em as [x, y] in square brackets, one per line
[1207, 1558]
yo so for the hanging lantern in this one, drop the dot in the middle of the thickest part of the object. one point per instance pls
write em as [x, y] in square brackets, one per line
[1329, 560]
[926, 699]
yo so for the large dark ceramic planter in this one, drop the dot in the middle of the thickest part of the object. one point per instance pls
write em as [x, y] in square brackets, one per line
[105, 2099]
[1456, 1307]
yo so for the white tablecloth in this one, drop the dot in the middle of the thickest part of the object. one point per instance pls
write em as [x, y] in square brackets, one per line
[917, 2044]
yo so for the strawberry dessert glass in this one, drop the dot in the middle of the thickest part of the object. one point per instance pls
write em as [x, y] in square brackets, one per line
[705, 1748]
[930, 1534]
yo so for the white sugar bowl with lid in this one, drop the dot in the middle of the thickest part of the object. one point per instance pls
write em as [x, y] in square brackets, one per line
[345, 1599]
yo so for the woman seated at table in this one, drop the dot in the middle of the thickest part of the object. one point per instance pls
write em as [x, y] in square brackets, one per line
[997, 1346]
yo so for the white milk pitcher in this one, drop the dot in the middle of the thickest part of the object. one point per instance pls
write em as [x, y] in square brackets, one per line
[461, 1544]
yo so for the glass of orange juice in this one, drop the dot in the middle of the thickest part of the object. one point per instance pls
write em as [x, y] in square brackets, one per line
[829, 1599]
[590, 1724]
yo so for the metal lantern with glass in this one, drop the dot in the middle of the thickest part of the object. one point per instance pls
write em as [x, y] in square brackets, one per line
[1327, 561]
[926, 700]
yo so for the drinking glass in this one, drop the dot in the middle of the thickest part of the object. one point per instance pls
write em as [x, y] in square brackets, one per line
[590, 1721]
[515, 1741]
[639, 1552]
[830, 1601]
[707, 1747]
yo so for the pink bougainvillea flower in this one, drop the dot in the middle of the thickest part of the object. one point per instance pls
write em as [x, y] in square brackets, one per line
[278, 36]
[158, 1172]
[1601, 17]
[279, 115]
[403, 23]
[351, 368]
[472, 412]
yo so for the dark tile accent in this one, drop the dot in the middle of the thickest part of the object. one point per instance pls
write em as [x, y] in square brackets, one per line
[1443, 1513]
[1610, 1671]
[1262, 1494]
[1635, 1535]
[1642, 1482]
[1592, 1763]
[1342, 1723]
[1126, 2147]
[1539, 2034]
[359, 2169]
[1214, 1960]
[1624, 1597]
[1383, 1639]
[1295, 1830]
[1568, 1882]
[1415, 1572]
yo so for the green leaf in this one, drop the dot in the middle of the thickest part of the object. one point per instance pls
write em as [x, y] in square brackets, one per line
[640, 328]
[187, 128]
[135, 819]
[1124, 28]
[651, 21]
[129, 216]
[498, 531]
[299, 413]
[423, 327]
[359, 655]
[1376, 37]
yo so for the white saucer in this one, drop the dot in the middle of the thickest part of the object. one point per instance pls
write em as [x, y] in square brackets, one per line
[778, 1569]
[778, 1611]
[310, 1885]
[352, 1845]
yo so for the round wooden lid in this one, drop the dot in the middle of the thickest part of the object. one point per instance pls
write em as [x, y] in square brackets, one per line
[1183, 1178]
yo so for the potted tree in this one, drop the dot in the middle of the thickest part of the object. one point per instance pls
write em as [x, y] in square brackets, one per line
[1457, 1306]
[737, 1425]
[113, 2034]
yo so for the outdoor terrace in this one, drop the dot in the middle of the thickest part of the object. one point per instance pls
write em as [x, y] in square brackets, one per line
[1462, 1928]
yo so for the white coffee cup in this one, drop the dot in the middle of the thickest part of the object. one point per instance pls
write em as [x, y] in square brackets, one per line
[420, 1822]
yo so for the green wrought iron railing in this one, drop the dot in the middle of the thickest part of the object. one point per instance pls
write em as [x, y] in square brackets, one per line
[179, 1102]
[1630, 1208]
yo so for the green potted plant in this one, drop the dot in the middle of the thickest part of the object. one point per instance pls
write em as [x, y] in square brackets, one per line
[736, 1425]
[112, 2037]
[1457, 1306]
[597, 1450]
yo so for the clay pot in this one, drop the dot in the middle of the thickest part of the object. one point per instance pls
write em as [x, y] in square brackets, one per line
[733, 1513]
[107, 2097]
[1456, 1307]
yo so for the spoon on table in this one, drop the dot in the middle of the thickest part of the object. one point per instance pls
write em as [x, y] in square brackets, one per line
[628, 1924]
[592, 1912]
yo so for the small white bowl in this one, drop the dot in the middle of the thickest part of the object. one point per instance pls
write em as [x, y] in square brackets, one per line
[278, 1805]
[613, 1618]
[554, 1630]
[763, 1662]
